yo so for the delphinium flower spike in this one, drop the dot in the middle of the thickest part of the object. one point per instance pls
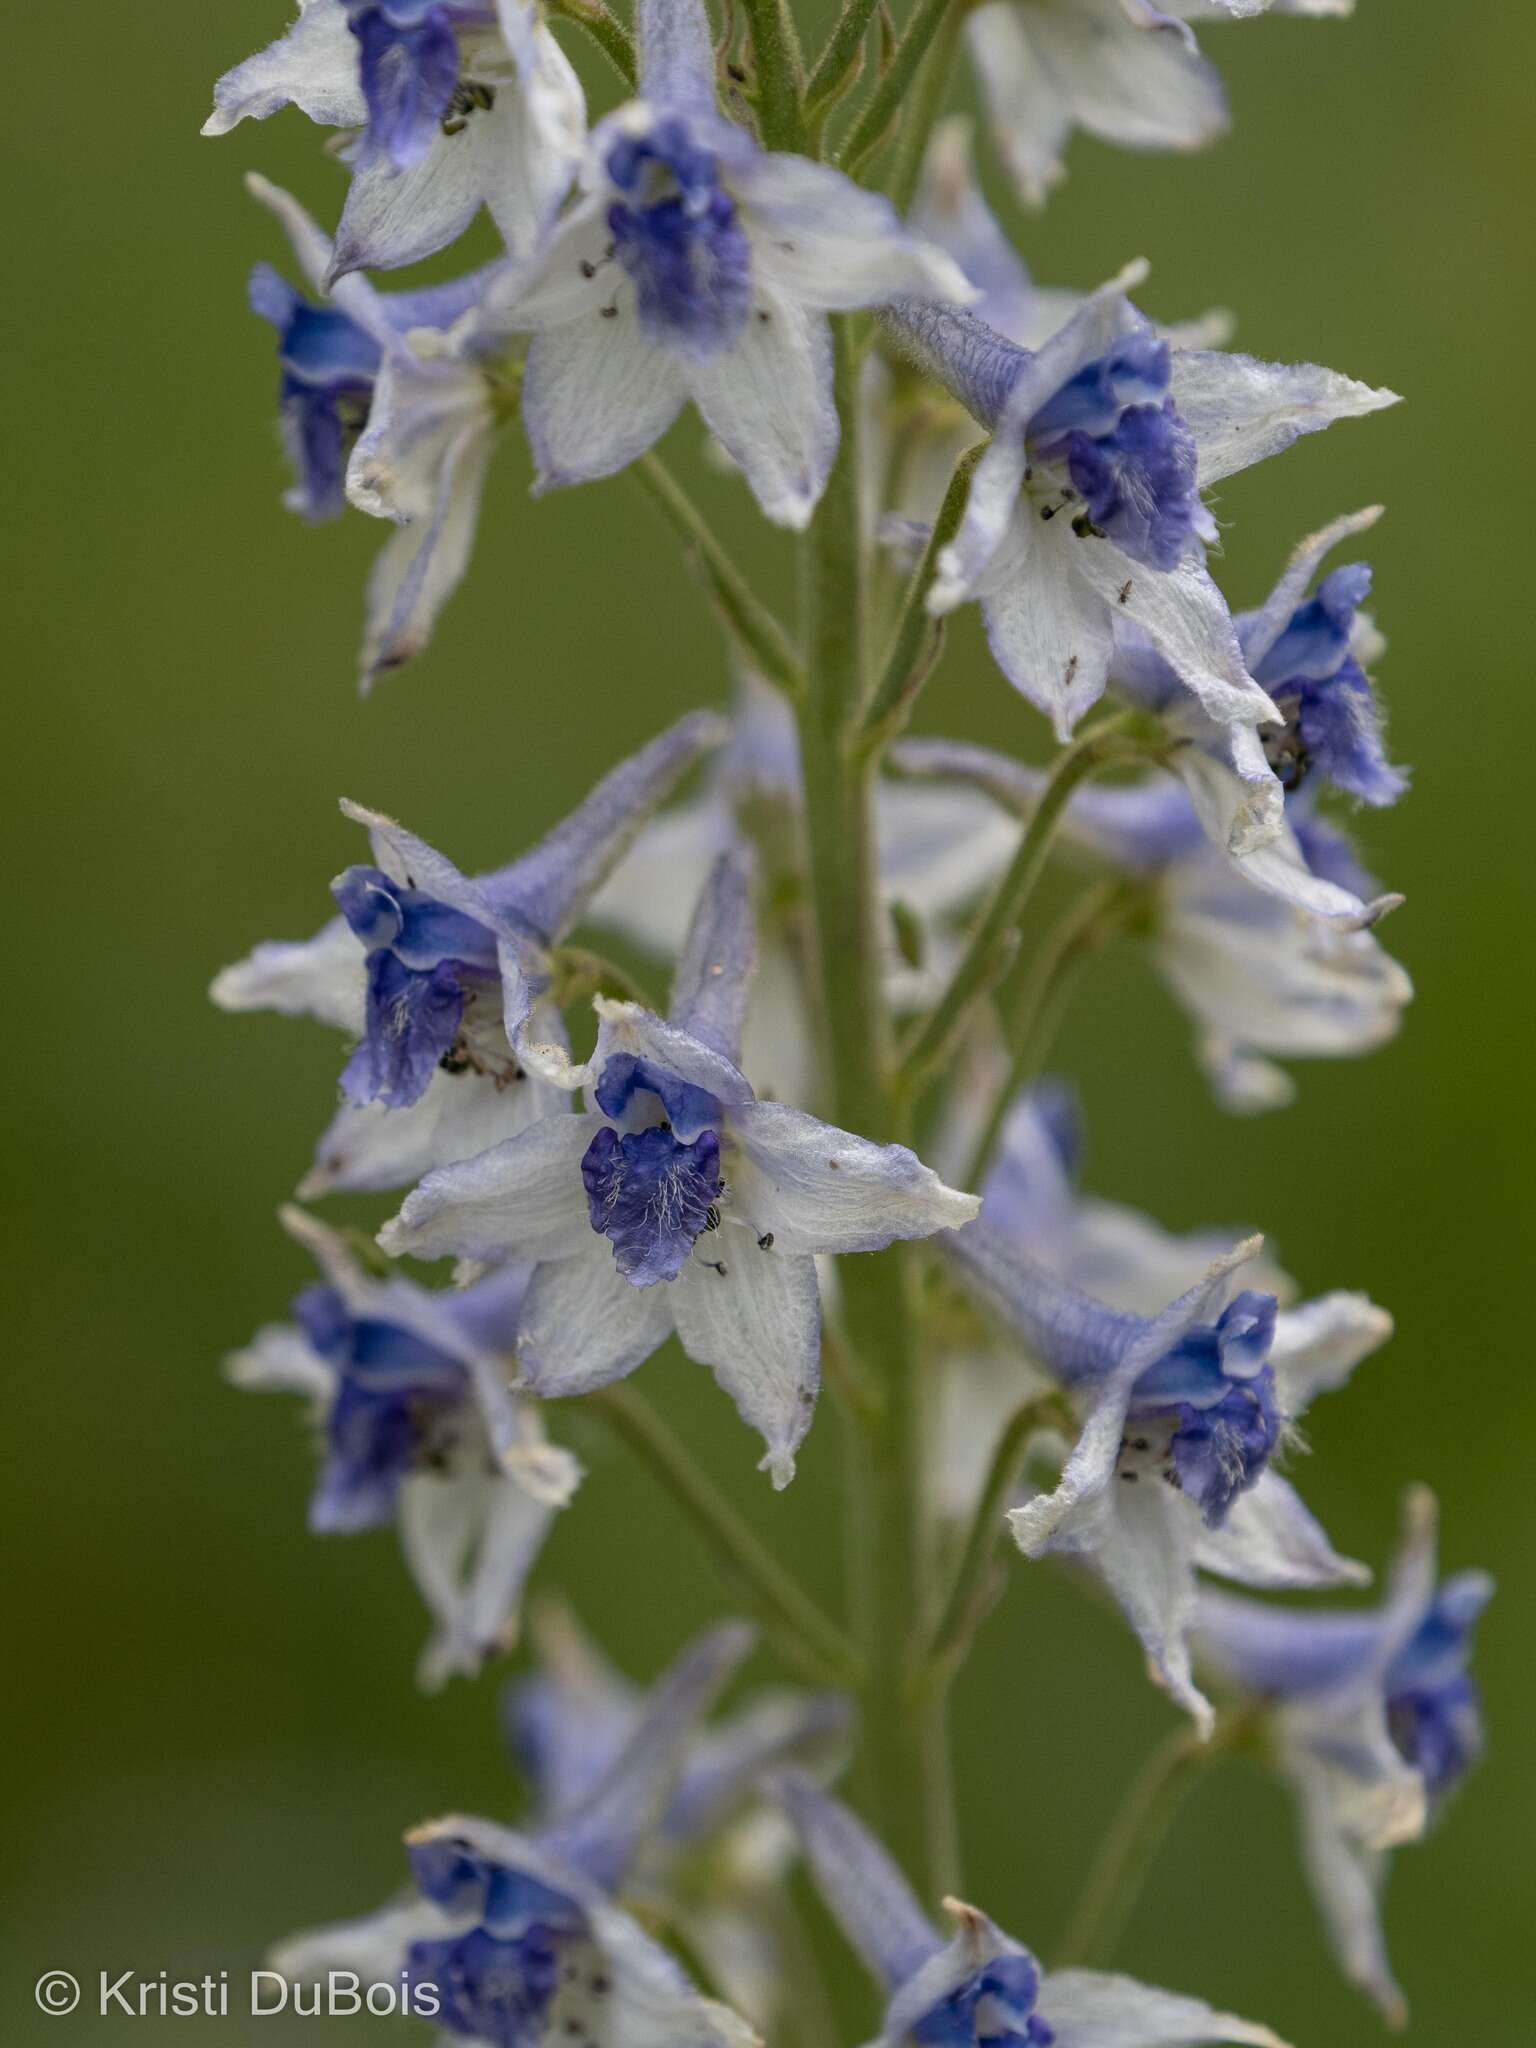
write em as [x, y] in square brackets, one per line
[610, 1204]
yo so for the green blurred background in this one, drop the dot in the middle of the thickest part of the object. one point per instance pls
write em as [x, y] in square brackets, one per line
[214, 1734]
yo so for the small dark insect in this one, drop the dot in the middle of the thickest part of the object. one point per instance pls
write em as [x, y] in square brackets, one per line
[466, 98]
[587, 267]
[765, 1242]
[763, 315]
[610, 312]
[1123, 596]
[1071, 670]
[1130, 1478]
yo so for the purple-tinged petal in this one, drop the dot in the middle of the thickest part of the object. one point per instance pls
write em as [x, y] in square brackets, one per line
[1242, 410]
[523, 1199]
[863, 1889]
[714, 975]
[820, 1189]
[313, 67]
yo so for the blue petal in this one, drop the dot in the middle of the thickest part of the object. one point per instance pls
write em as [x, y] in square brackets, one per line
[409, 70]
[1434, 1711]
[690, 1109]
[489, 1989]
[650, 1195]
[412, 1021]
[678, 238]
[992, 2009]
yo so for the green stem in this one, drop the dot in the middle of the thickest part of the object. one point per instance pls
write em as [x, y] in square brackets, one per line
[968, 1597]
[606, 30]
[1126, 1855]
[871, 130]
[905, 669]
[805, 1631]
[746, 617]
[987, 954]
[887, 1536]
[1042, 1000]
[922, 110]
[842, 53]
[780, 73]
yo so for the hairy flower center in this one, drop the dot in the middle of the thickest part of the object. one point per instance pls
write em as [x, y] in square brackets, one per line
[677, 235]
[651, 1196]
[1129, 456]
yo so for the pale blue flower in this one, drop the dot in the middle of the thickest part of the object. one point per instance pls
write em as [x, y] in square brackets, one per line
[443, 979]
[517, 1934]
[457, 105]
[1127, 71]
[1182, 1411]
[1086, 510]
[716, 1865]
[699, 266]
[1308, 653]
[980, 1989]
[400, 395]
[611, 1204]
[1269, 951]
[408, 1391]
[1374, 1720]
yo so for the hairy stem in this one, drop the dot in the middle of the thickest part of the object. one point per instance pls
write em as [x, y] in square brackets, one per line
[989, 950]
[606, 30]
[922, 110]
[968, 1597]
[1126, 1854]
[805, 1632]
[746, 617]
[841, 53]
[780, 73]
[886, 102]
[905, 671]
[1043, 994]
[886, 1528]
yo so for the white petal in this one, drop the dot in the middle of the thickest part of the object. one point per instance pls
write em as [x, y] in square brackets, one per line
[1269, 979]
[822, 241]
[719, 957]
[820, 1189]
[394, 217]
[1186, 618]
[757, 1326]
[1280, 868]
[461, 1114]
[768, 399]
[1127, 74]
[1270, 1538]
[596, 394]
[1346, 1879]
[584, 1325]
[514, 1530]
[1241, 1082]
[1030, 120]
[320, 977]
[542, 150]
[1318, 1345]
[421, 566]
[1242, 410]
[373, 1947]
[940, 847]
[280, 1359]
[314, 67]
[1048, 628]
[1089, 2009]
[523, 1199]
[1146, 1553]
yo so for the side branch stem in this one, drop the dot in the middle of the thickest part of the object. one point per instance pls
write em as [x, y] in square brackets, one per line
[805, 1631]
[1126, 1856]
[606, 30]
[885, 103]
[746, 616]
[988, 952]
[905, 670]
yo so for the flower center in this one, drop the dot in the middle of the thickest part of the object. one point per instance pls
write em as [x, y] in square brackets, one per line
[1129, 456]
[426, 963]
[410, 64]
[651, 1196]
[677, 235]
[1205, 1419]
[1331, 722]
[530, 1973]
[993, 2009]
